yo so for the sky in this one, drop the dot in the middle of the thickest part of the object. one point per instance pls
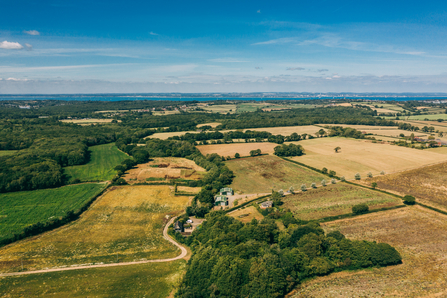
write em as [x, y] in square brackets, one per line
[98, 46]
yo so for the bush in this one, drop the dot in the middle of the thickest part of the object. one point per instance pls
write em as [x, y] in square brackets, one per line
[409, 200]
[342, 178]
[332, 173]
[313, 185]
[357, 176]
[369, 175]
[382, 173]
[237, 155]
[303, 187]
[323, 182]
[333, 181]
[360, 209]
[324, 171]
[374, 185]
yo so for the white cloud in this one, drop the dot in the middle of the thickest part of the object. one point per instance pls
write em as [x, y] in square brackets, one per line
[153, 33]
[31, 32]
[10, 45]
[295, 68]
[15, 79]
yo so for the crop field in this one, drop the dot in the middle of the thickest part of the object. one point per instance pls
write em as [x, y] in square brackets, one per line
[427, 184]
[165, 168]
[335, 199]
[360, 156]
[230, 108]
[125, 224]
[161, 113]
[419, 236]
[101, 166]
[23, 208]
[88, 121]
[250, 107]
[7, 152]
[189, 190]
[145, 280]
[212, 124]
[231, 149]
[430, 117]
[263, 173]
[247, 214]
[366, 127]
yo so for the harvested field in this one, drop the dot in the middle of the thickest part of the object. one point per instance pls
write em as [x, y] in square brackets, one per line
[427, 184]
[418, 234]
[335, 199]
[160, 113]
[360, 156]
[212, 124]
[247, 214]
[230, 108]
[163, 169]
[145, 280]
[125, 224]
[88, 121]
[429, 117]
[263, 173]
[187, 189]
[231, 149]
[166, 135]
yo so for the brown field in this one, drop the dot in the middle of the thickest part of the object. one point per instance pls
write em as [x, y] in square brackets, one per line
[166, 135]
[288, 130]
[418, 234]
[212, 124]
[427, 184]
[88, 121]
[366, 127]
[159, 113]
[251, 213]
[360, 156]
[169, 168]
[255, 175]
[187, 189]
[125, 224]
[231, 149]
[335, 199]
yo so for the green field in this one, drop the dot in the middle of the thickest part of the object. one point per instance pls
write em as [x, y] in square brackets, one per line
[23, 208]
[100, 168]
[145, 280]
[264, 173]
[7, 152]
[429, 117]
[334, 200]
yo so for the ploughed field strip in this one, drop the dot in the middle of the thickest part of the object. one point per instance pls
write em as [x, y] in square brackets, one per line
[335, 199]
[24, 208]
[123, 225]
[419, 236]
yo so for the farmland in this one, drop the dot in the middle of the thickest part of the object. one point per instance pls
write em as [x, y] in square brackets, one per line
[245, 215]
[231, 149]
[212, 124]
[163, 169]
[88, 121]
[103, 159]
[125, 224]
[335, 199]
[418, 234]
[220, 108]
[7, 152]
[264, 173]
[20, 209]
[427, 184]
[144, 280]
[359, 156]
[429, 117]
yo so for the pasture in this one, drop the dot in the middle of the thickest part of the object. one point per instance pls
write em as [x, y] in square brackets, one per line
[335, 199]
[24, 208]
[419, 236]
[360, 156]
[7, 152]
[163, 169]
[144, 280]
[231, 149]
[212, 124]
[246, 215]
[103, 160]
[263, 173]
[88, 121]
[427, 184]
[223, 109]
[125, 224]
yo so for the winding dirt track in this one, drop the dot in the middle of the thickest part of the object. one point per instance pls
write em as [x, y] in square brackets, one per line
[75, 267]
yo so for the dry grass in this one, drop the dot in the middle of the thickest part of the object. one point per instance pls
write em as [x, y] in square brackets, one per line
[125, 224]
[359, 156]
[231, 149]
[335, 200]
[88, 121]
[172, 168]
[187, 189]
[418, 234]
[166, 135]
[264, 173]
[212, 124]
[221, 108]
[366, 127]
[288, 130]
[160, 113]
[427, 184]
[246, 215]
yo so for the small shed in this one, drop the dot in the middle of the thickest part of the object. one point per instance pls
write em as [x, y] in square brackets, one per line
[226, 191]
[266, 204]
[220, 200]
[178, 227]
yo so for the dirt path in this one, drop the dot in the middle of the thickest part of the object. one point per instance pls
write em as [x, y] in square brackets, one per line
[183, 254]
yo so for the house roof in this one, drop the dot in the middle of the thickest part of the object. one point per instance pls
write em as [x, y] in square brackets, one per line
[267, 204]
[220, 199]
[225, 189]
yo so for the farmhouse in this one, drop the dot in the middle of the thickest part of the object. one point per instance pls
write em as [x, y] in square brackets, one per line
[178, 227]
[220, 200]
[267, 204]
[226, 191]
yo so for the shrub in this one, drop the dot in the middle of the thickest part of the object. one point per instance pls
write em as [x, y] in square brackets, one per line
[409, 200]
[291, 189]
[237, 155]
[382, 173]
[360, 209]
[324, 171]
[323, 182]
[342, 178]
[357, 176]
[303, 187]
[369, 175]
[333, 181]
[374, 185]
[332, 173]
[313, 185]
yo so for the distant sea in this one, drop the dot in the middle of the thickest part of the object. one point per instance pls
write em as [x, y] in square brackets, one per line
[173, 98]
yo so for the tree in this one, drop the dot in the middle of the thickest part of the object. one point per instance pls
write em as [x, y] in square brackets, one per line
[303, 187]
[291, 189]
[237, 155]
[324, 171]
[360, 209]
[357, 176]
[342, 178]
[374, 185]
[333, 181]
[369, 175]
[337, 149]
[382, 172]
[323, 182]
[332, 173]
[313, 185]
[409, 200]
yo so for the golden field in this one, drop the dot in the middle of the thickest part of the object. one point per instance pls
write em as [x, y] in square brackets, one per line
[231, 149]
[248, 213]
[125, 224]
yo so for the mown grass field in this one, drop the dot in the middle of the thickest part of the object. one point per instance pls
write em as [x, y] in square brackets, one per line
[427, 184]
[263, 173]
[419, 236]
[101, 166]
[429, 117]
[156, 280]
[23, 208]
[125, 224]
[7, 152]
[230, 108]
[242, 148]
[246, 214]
[360, 156]
[335, 199]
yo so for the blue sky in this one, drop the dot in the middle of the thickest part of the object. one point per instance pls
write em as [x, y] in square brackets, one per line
[53, 46]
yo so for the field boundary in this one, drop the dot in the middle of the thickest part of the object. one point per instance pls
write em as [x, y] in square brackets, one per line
[309, 167]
